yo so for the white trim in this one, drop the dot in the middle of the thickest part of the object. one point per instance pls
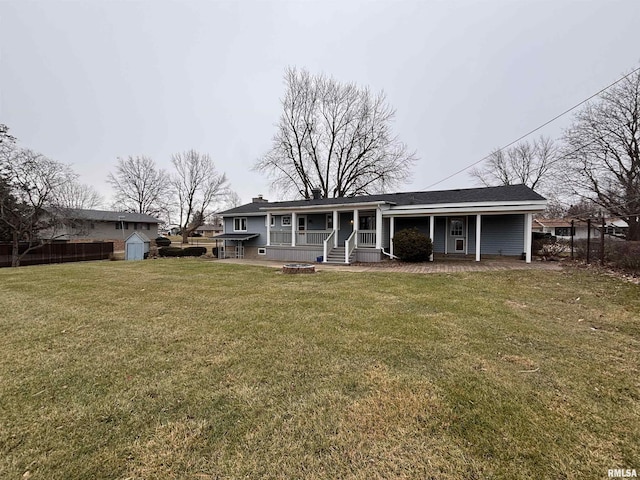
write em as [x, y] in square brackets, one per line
[414, 210]
[325, 207]
[378, 228]
[528, 220]
[294, 222]
[432, 231]
[356, 226]
[282, 224]
[392, 229]
[245, 224]
[262, 251]
[270, 219]
[478, 235]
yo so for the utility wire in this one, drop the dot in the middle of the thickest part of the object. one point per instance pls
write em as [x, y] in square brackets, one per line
[535, 129]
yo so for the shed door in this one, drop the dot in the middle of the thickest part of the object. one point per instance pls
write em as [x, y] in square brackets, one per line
[135, 251]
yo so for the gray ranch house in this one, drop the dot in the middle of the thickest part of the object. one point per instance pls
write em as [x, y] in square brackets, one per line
[476, 221]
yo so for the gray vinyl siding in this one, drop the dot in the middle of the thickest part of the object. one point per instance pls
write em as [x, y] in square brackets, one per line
[471, 239]
[254, 225]
[439, 233]
[308, 253]
[501, 235]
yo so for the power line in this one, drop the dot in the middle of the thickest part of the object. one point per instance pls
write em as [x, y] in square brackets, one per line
[535, 129]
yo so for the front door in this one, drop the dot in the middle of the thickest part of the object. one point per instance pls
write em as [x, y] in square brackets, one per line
[457, 235]
[302, 230]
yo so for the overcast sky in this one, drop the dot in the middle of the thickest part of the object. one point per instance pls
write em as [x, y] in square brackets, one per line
[85, 82]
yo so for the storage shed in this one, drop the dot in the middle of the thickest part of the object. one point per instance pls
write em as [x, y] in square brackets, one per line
[136, 246]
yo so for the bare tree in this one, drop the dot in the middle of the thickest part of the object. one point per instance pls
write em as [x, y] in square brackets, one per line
[31, 182]
[336, 138]
[531, 164]
[197, 185]
[139, 186]
[77, 196]
[604, 151]
[233, 200]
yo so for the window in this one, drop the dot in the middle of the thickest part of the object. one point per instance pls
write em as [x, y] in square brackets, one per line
[148, 226]
[563, 231]
[456, 226]
[367, 222]
[273, 221]
[240, 224]
[286, 221]
[262, 251]
[329, 221]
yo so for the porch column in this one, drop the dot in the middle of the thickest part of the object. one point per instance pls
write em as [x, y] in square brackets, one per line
[379, 228]
[294, 223]
[336, 225]
[392, 230]
[268, 229]
[356, 222]
[478, 232]
[528, 221]
[432, 233]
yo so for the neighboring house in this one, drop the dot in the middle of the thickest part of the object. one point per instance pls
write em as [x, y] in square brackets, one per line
[101, 225]
[561, 228]
[209, 231]
[477, 221]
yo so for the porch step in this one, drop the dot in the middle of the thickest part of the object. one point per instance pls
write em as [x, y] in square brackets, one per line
[336, 255]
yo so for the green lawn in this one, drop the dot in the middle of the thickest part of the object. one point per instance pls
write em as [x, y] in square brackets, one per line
[181, 368]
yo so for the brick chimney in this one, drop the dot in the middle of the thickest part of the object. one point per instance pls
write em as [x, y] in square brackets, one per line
[259, 199]
[316, 193]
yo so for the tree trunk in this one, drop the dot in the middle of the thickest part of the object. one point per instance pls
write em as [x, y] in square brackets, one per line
[633, 234]
[15, 245]
[185, 235]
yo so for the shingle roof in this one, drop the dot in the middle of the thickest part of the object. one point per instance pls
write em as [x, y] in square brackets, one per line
[109, 216]
[508, 193]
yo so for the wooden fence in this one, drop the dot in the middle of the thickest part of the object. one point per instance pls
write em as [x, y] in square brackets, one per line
[58, 253]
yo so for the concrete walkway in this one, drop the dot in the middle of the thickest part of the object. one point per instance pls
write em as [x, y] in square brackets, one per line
[439, 266]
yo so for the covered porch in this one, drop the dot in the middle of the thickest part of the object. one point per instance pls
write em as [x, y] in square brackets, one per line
[336, 235]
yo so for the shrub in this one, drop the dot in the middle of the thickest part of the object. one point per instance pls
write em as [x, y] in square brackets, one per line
[625, 255]
[163, 242]
[411, 245]
[170, 252]
[194, 251]
[182, 252]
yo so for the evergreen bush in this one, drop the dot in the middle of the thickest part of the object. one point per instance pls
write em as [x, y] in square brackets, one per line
[411, 245]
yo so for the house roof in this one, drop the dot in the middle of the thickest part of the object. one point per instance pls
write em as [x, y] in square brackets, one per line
[209, 228]
[508, 193]
[236, 236]
[140, 235]
[109, 216]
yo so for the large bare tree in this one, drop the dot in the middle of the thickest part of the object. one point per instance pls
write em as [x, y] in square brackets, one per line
[603, 151]
[336, 138]
[77, 195]
[198, 186]
[531, 164]
[139, 186]
[27, 201]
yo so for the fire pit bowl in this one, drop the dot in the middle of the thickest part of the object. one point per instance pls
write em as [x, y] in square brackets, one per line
[298, 268]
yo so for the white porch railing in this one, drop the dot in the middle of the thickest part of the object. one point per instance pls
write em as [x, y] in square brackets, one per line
[326, 245]
[349, 246]
[280, 238]
[312, 237]
[366, 238]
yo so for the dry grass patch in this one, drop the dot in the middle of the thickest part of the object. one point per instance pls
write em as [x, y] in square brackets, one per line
[181, 368]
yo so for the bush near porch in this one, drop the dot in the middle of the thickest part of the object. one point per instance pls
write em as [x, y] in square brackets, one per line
[411, 245]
